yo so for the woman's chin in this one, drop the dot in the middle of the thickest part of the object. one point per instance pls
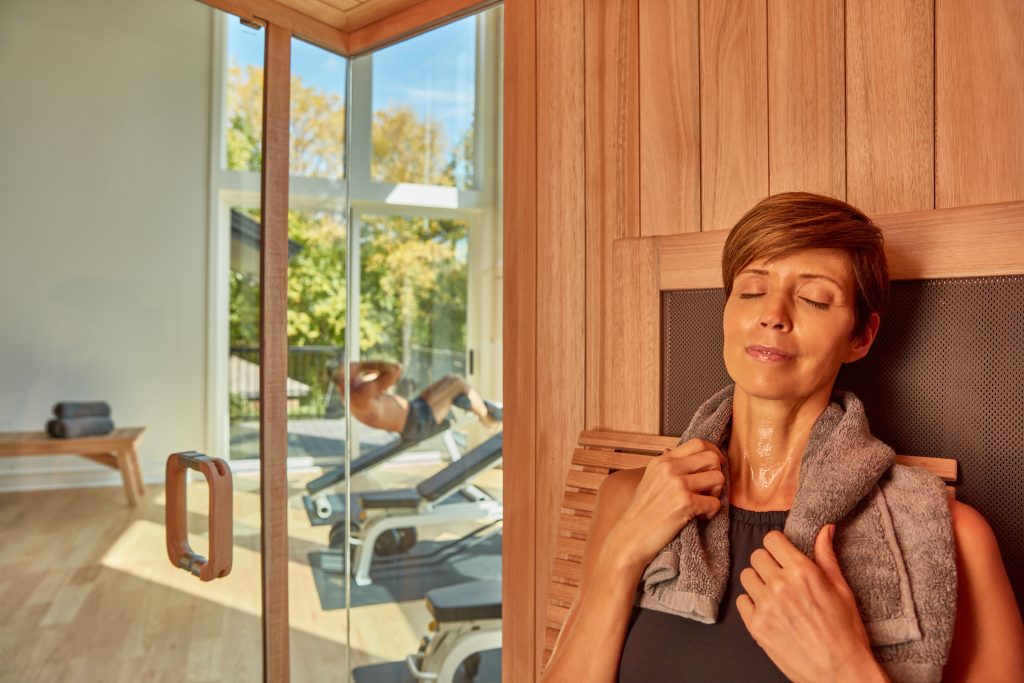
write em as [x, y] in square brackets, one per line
[769, 388]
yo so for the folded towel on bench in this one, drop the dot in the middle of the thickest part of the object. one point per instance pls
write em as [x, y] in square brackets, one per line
[75, 427]
[66, 409]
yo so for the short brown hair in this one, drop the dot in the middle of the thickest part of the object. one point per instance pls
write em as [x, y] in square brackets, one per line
[785, 223]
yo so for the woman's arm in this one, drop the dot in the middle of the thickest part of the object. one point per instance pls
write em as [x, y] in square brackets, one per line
[988, 636]
[590, 643]
[637, 513]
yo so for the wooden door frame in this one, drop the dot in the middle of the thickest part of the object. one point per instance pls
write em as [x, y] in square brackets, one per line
[274, 353]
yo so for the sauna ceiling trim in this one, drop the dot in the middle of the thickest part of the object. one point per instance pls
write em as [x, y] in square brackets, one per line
[352, 27]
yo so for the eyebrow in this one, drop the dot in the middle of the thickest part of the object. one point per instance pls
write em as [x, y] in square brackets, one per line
[802, 276]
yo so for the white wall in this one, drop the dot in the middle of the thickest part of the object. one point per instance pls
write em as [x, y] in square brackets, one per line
[104, 149]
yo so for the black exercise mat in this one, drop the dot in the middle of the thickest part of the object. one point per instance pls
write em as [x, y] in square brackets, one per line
[398, 672]
[400, 581]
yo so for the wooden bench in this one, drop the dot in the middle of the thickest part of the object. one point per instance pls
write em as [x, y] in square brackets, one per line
[598, 455]
[116, 450]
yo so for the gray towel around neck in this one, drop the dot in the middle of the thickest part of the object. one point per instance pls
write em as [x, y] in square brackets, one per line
[894, 539]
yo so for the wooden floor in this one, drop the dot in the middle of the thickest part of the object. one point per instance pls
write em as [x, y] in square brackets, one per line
[87, 592]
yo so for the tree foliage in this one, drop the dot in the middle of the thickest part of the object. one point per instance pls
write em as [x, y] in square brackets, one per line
[413, 276]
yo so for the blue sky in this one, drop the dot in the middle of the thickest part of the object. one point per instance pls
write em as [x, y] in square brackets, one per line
[433, 72]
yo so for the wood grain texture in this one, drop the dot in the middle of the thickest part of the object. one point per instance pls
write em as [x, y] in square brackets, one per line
[979, 102]
[612, 117]
[970, 241]
[612, 162]
[669, 117]
[519, 369]
[368, 32]
[627, 381]
[733, 110]
[890, 105]
[274, 353]
[806, 97]
[561, 221]
[300, 24]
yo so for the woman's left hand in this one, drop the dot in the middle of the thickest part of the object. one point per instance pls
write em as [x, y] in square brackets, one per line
[802, 612]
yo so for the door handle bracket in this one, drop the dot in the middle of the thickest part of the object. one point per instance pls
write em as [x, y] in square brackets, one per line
[179, 552]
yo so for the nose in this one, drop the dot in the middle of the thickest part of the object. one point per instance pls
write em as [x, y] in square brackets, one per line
[775, 314]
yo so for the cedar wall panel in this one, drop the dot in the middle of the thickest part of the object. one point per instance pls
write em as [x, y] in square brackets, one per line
[612, 149]
[669, 117]
[560, 282]
[519, 532]
[979, 102]
[733, 110]
[890, 105]
[806, 97]
[613, 163]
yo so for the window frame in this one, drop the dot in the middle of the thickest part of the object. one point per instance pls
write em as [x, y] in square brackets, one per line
[357, 194]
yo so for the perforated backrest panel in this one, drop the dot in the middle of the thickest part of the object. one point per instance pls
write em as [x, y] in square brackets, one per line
[945, 378]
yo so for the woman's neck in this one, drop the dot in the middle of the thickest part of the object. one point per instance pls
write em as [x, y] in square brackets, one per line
[766, 445]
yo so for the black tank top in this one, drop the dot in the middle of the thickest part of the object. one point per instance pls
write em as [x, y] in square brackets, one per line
[664, 647]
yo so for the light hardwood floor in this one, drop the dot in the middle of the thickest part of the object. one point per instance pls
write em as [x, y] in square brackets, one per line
[87, 592]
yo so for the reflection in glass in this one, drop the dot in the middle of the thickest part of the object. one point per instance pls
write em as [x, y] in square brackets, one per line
[413, 296]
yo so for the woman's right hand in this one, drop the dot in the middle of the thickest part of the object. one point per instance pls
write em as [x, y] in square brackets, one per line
[682, 483]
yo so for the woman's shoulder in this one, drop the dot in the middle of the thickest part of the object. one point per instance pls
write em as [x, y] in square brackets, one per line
[972, 531]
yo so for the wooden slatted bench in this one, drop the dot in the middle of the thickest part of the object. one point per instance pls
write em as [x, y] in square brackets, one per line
[116, 450]
[598, 455]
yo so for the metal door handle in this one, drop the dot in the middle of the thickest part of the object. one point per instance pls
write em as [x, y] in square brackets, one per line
[218, 476]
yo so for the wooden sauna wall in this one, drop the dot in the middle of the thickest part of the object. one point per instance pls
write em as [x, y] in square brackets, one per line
[630, 119]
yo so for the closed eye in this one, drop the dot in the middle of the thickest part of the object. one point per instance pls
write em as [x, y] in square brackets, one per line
[751, 295]
[817, 304]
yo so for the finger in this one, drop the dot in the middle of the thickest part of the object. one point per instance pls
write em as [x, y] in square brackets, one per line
[765, 565]
[705, 481]
[696, 446]
[753, 584]
[745, 606]
[783, 550]
[696, 462]
[825, 557]
[706, 506]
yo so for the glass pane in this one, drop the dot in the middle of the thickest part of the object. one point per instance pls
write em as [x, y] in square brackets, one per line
[415, 384]
[317, 234]
[317, 131]
[424, 108]
[243, 98]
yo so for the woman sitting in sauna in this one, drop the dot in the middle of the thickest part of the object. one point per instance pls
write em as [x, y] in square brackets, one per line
[718, 561]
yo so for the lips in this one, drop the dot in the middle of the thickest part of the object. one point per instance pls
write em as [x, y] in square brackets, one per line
[768, 354]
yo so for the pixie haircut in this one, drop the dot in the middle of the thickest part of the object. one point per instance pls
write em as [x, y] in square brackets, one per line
[786, 223]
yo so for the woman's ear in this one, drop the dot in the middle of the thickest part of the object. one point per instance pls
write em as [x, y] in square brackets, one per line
[861, 344]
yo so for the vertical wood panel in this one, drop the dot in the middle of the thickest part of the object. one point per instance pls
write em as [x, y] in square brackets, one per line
[274, 354]
[612, 160]
[561, 218]
[733, 110]
[890, 105]
[612, 116]
[669, 117]
[979, 102]
[519, 368]
[806, 97]
[630, 381]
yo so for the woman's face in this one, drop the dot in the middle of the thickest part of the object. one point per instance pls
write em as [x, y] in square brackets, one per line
[788, 325]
